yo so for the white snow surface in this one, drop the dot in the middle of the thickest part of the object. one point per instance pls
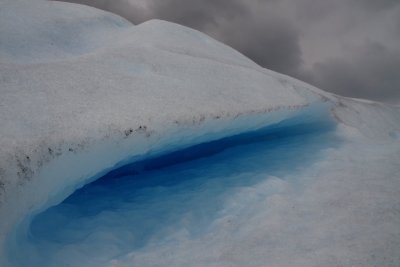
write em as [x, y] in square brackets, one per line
[84, 91]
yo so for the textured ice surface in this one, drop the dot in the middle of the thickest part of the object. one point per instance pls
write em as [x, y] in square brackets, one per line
[161, 201]
[84, 92]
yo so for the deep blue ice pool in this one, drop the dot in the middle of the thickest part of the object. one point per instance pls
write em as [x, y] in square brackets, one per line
[146, 203]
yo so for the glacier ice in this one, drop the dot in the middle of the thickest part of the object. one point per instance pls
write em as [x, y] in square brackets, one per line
[280, 172]
[160, 201]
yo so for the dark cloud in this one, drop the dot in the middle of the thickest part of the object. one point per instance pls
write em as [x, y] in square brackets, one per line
[370, 71]
[376, 5]
[308, 39]
[125, 8]
[270, 41]
[197, 14]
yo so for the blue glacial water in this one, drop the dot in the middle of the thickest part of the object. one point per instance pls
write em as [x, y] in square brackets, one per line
[146, 202]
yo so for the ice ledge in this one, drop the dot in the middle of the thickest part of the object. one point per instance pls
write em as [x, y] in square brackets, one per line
[51, 172]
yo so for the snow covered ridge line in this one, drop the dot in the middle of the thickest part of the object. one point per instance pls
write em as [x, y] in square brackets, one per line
[55, 172]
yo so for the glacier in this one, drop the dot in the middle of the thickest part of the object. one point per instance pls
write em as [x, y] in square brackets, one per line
[155, 145]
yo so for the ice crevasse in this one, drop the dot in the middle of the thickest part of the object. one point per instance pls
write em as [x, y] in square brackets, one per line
[84, 93]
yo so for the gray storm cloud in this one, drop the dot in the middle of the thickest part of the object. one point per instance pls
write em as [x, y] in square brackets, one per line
[349, 47]
[371, 71]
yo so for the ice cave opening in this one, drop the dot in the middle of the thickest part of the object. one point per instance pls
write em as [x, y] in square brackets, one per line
[165, 200]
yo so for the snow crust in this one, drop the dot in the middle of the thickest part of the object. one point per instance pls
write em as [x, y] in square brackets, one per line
[84, 92]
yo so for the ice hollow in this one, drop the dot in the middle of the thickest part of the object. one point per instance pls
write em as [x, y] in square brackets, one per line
[84, 94]
[163, 199]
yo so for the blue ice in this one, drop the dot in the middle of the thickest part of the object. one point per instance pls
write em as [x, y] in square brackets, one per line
[143, 204]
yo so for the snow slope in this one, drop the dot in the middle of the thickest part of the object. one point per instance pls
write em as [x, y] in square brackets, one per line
[84, 92]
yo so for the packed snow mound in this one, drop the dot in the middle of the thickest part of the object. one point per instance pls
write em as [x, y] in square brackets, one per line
[49, 30]
[84, 92]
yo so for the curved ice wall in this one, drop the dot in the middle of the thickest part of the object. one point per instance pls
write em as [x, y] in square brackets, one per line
[84, 91]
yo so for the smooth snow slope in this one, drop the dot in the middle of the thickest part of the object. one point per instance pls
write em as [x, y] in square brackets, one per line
[84, 91]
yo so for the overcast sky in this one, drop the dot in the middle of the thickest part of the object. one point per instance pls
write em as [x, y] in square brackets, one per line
[349, 47]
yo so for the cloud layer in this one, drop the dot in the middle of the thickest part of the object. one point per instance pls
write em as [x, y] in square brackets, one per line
[350, 47]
